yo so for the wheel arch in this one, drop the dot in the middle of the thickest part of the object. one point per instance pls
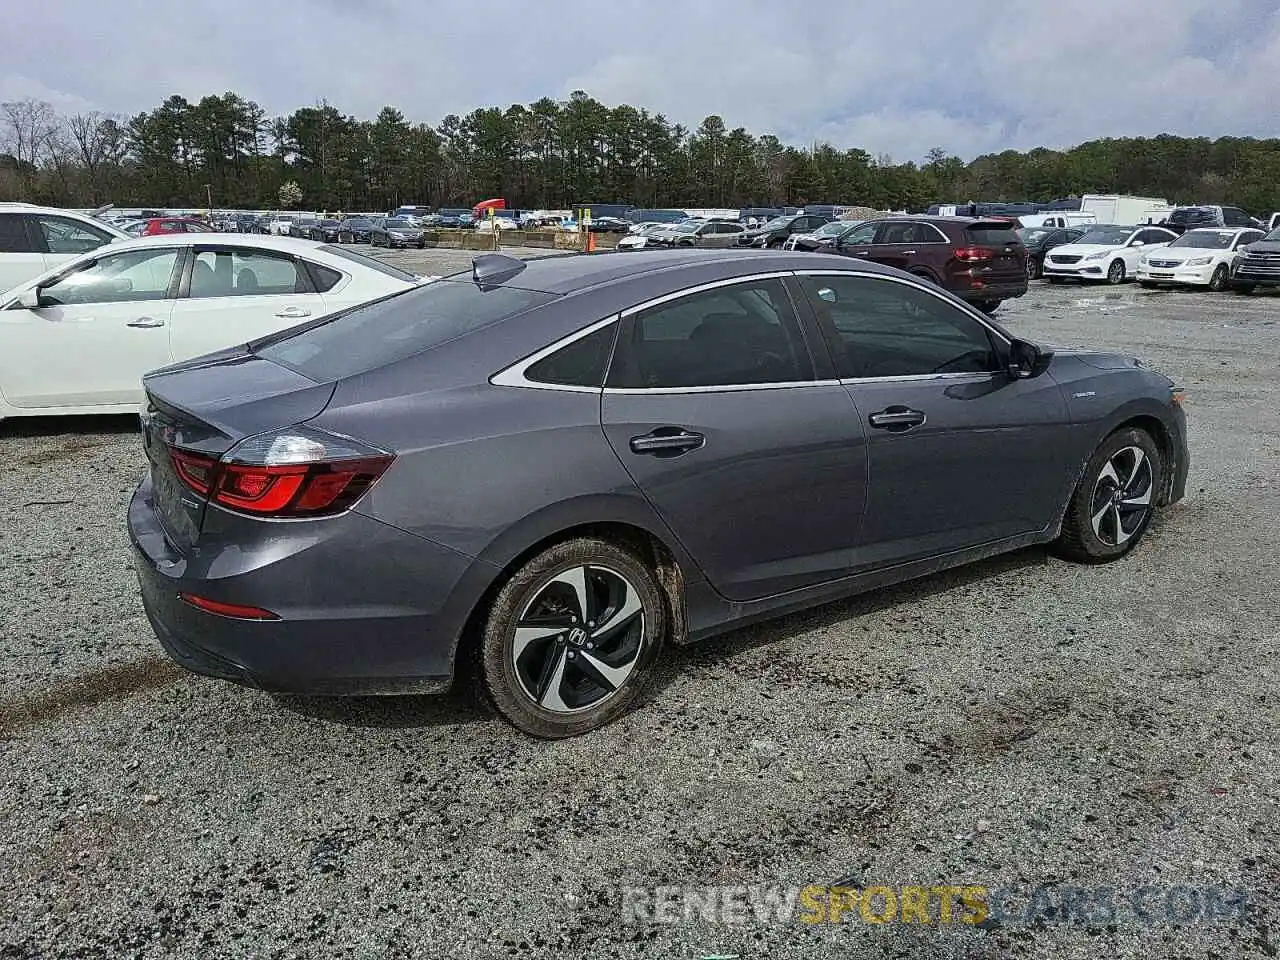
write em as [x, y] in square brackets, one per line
[672, 567]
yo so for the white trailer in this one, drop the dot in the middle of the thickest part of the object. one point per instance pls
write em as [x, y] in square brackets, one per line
[1127, 211]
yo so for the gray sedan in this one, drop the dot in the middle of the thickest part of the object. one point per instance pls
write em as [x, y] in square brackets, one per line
[556, 469]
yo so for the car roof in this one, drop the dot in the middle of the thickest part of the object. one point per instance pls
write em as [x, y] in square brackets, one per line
[570, 273]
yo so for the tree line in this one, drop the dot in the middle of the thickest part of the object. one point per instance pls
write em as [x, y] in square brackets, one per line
[226, 151]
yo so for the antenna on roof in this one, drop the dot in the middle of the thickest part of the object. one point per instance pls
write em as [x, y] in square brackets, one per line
[492, 269]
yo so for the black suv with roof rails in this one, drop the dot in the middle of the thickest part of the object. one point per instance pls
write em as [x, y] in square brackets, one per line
[980, 260]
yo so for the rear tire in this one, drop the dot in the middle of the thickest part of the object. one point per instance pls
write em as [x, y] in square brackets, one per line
[989, 306]
[1221, 277]
[1033, 268]
[1112, 505]
[555, 670]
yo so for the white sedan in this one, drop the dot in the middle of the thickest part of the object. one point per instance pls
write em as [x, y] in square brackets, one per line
[1204, 257]
[1105, 253]
[78, 338]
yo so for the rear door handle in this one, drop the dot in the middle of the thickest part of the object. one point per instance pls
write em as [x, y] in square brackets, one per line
[907, 253]
[896, 419]
[146, 322]
[293, 313]
[667, 441]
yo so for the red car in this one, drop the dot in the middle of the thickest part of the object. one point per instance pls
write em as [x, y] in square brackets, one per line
[160, 225]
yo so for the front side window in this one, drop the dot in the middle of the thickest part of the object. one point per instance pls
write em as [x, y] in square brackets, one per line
[246, 273]
[882, 328]
[123, 277]
[863, 234]
[63, 235]
[742, 334]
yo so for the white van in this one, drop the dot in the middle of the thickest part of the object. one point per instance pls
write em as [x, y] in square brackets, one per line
[35, 239]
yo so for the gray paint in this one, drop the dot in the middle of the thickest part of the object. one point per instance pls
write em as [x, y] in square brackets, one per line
[793, 498]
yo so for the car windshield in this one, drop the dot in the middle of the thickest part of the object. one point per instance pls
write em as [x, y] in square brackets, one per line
[328, 223]
[1030, 236]
[777, 223]
[1107, 236]
[1273, 235]
[362, 224]
[1205, 239]
[834, 228]
[396, 328]
[400, 223]
[687, 227]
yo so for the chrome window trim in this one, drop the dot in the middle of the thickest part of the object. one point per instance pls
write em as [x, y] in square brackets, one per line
[967, 311]
[720, 387]
[514, 375]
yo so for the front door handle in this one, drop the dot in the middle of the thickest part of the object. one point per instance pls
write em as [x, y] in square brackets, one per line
[146, 322]
[907, 253]
[293, 313]
[667, 442]
[896, 419]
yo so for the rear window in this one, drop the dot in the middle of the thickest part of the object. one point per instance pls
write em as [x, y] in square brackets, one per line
[395, 328]
[993, 234]
[371, 263]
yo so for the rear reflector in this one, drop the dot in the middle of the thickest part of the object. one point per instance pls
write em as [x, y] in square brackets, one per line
[233, 610]
[297, 472]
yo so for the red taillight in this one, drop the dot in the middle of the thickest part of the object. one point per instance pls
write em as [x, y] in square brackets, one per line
[974, 254]
[196, 471]
[236, 610]
[300, 472]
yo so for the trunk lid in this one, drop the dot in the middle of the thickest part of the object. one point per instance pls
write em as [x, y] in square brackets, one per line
[206, 406]
[1008, 256]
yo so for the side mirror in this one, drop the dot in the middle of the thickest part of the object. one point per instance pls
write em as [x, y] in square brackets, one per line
[29, 299]
[1026, 360]
[1137, 243]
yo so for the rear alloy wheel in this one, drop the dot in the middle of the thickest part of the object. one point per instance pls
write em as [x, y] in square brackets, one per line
[570, 640]
[1033, 268]
[1113, 503]
[1221, 277]
[1115, 272]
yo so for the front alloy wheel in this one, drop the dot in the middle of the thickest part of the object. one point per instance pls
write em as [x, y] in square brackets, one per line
[1113, 503]
[1115, 273]
[570, 639]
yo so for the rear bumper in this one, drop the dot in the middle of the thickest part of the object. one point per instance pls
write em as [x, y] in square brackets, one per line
[364, 608]
[995, 290]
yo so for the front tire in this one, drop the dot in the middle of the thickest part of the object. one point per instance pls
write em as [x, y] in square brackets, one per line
[1221, 277]
[1244, 288]
[1112, 505]
[570, 640]
[1116, 272]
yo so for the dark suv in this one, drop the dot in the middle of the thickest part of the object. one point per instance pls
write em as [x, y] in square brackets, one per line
[1259, 264]
[980, 260]
[775, 233]
[1191, 218]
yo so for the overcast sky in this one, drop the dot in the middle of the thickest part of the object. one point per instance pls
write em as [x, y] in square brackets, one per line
[891, 76]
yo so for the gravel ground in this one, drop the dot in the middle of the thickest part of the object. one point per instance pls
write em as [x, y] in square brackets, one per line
[1021, 722]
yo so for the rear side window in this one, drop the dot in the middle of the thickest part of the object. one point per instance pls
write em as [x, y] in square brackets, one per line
[325, 278]
[13, 234]
[395, 328]
[735, 335]
[580, 364]
[992, 235]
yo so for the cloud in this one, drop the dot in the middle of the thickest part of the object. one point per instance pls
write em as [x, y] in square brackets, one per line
[879, 74]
